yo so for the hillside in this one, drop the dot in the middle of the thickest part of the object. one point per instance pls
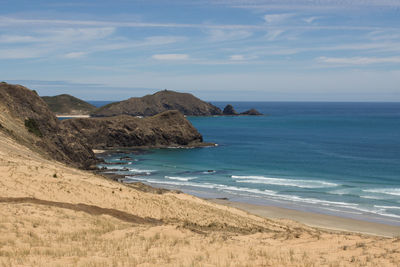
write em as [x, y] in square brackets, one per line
[169, 128]
[26, 117]
[68, 105]
[161, 101]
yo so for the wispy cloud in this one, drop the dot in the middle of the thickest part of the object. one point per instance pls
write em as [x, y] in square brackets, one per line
[273, 34]
[237, 57]
[310, 19]
[277, 18]
[358, 60]
[75, 55]
[171, 56]
[31, 23]
[218, 35]
[307, 4]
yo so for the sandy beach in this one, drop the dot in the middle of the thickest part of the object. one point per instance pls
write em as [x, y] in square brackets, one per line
[72, 116]
[324, 221]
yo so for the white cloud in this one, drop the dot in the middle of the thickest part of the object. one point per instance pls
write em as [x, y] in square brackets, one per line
[273, 34]
[358, 60]
[59, 35]
[170, 56]
[75, 55]
[310, 19]
[22, 53]
[16, 39]
[237, 57]
[276, 18]
[218, 35]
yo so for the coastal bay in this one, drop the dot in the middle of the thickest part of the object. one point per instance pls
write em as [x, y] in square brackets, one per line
[303, 156]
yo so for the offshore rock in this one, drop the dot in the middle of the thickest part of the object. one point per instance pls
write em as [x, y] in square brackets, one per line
[229, 110]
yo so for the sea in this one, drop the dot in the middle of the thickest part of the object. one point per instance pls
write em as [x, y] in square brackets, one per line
[339, 159]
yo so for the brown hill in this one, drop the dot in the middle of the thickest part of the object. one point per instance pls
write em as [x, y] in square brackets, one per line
[161, 101]
[67, 104]
[169, 128]
[27, 118]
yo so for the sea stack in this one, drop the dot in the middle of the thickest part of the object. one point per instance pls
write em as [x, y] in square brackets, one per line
[229, 110]
[251, 112]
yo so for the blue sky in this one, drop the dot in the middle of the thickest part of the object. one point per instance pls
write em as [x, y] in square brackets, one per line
[250, 50]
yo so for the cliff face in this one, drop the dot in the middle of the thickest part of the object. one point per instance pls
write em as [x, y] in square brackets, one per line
[150, 105]
[27, 118]
[67, 104]
[170, 128]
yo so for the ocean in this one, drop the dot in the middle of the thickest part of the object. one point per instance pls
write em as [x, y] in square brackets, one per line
[333, 158]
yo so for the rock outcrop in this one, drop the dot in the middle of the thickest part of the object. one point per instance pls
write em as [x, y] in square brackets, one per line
[169, 128]
[251, 112]
[68, 105]
[229, 110]
[27, 118]
[161, 101]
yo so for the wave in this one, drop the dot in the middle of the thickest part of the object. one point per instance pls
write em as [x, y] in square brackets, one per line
[154, 181]
[388, 207]
[180, 178]
[139, 171]
[273, 195]
[373, 197]
[226, 188]
[283, 182]
[123, 168]
[386, 191]
[209, 172]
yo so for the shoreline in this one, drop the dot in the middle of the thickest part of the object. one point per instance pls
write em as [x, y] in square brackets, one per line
[313, 219]
[316, 220]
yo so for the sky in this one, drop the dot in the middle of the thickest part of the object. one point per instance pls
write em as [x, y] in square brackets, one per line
[219, 50]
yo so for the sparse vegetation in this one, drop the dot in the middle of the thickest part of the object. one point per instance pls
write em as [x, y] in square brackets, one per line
[67, 104]
[55, 175]
[33, 127]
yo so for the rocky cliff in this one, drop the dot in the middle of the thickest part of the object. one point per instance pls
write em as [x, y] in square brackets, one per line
[27, 118]
[169, 128]
[161, 101]
[67, 104]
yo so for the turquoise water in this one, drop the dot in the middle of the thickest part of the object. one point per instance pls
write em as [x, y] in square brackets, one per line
[332, 158]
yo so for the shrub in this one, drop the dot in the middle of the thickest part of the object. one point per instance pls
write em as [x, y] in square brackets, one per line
[33, 127]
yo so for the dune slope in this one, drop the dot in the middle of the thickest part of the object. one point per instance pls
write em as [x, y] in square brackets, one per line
[55, 215]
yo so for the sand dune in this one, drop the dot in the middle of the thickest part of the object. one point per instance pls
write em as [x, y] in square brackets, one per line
[54, 215]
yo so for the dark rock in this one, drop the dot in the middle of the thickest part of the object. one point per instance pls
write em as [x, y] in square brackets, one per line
[251, 112]
[169, 128]
[229, 110]
[126, 158]
[161, 101]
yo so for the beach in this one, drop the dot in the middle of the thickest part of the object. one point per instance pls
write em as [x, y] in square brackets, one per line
[324, 221]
